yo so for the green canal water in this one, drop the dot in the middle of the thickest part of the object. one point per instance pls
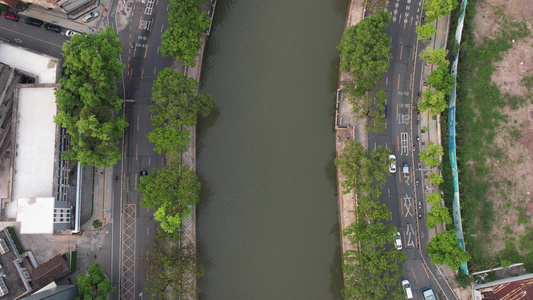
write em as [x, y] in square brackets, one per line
[267, 217]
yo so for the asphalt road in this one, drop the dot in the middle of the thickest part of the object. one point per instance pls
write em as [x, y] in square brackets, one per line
[400, 193]
[35, 38]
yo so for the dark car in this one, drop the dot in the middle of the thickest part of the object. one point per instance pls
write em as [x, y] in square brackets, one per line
[52, 27]
[11, 16]
[34, 22]
[144, 173]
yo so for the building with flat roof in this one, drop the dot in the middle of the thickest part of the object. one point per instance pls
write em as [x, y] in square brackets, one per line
[36, 195]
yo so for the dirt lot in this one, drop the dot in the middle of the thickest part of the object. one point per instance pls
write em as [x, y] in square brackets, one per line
[511, 181]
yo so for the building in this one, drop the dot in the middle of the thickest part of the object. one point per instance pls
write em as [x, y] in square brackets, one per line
[512, 288]
[37, 194]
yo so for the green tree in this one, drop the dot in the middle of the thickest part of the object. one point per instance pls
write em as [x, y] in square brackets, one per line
[437, 215]
[177, 97]
[95, 285]
[171, 191]
[436, 101]
[366, 106]
[438, 8]
[186, 23]
[170, 265]
[426, 31]
[430, 157]
[435, 179]
[443, 249]
[433, 198]
[87, 100]
[441, 79]
[364, 51]
[436, 56]
[364, 171]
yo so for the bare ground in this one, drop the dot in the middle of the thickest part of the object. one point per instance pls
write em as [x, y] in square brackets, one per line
[511, 181]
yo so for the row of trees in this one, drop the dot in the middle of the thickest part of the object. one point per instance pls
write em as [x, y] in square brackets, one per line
[87, 100]
[434, 10]
[364, 52]
[440, 80]
[372, 270]
[172, 190]
[186, 23]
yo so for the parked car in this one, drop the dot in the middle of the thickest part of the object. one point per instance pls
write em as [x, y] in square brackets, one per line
[90, 16]
[33, 22]
[52, 27]
[392, 163]
[407, 289]
[11, 16]
[71, 33]
[428, 294]
[398, 241]
[144, 173]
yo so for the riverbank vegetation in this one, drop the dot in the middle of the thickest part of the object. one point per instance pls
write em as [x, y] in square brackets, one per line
[87, 103]
[364, 52]
[186, 23]
[372, 268]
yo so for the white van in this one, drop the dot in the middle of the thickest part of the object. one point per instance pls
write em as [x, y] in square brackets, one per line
[407, 289]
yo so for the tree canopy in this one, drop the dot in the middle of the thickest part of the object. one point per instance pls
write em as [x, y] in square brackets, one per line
[186, 23]
[430, 157]
[434, 100]
[438, 8]
[171, 191]
[443, 249]
[365, 50]
[95, 285]
[364, 171]
[87, 100]
[441, 79]
[437, 215]
[426, 31]
[170, 265]
[436, 56]
[435, 179]
[433, 198]
[178, 98]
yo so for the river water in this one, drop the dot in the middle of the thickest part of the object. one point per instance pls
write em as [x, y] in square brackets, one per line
[267, 217]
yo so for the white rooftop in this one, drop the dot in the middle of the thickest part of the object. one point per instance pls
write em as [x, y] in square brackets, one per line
[44, 66]
[35, 140]
[36, 215]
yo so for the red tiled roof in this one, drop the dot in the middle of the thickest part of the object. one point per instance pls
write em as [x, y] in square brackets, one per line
[53, 269]
[516, 290]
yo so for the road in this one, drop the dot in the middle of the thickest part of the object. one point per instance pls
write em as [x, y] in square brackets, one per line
[401, 194]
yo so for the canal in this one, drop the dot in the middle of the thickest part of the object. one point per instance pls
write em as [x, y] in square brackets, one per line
[267, 217]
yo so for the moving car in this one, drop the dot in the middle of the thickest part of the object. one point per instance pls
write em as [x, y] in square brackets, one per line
[71, 33]
[428, 294]
[33, 22]
[11, 16]
[398, 241]
[407, 289]
[52, 27]
[392, 163]
[90, 16]
[405, 168]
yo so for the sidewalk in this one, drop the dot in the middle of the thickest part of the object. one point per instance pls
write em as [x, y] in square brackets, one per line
[102, 199]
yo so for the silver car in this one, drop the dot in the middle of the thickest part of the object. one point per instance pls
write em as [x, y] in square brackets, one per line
[90, 16]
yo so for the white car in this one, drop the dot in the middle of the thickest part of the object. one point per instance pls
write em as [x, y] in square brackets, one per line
[90, 16]
[71, 33]
[392, 163]
[407, 289]
[398, 241]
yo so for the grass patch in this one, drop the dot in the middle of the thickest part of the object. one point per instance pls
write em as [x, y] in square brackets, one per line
[73, 256]
[15, 239]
